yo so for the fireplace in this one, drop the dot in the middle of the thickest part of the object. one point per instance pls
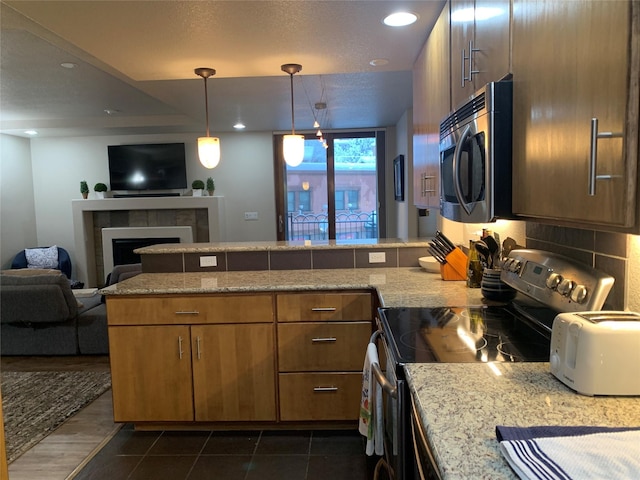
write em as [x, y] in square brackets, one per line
[118, 243]
[123, 248]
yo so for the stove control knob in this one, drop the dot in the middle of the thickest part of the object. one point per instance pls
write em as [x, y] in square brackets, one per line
[579, 294]
[565, 287]
[514, 266]
[553, 280]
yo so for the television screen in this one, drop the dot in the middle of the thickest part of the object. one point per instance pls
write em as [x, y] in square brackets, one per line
[157, 166]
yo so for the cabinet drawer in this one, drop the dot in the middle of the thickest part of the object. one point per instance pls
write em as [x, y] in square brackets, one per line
[320, 396]
[185, 309]
[322, 346]
[324, 307]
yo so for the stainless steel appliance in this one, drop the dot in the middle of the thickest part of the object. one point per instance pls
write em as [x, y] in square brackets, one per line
[518, 331]
[475, 157]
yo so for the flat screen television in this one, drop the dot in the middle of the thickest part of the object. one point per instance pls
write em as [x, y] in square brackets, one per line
[155, 166]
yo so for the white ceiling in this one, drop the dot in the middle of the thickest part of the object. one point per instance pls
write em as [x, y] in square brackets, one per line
[138, 57]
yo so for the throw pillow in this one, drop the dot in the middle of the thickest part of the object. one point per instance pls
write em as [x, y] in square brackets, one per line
[42, 257]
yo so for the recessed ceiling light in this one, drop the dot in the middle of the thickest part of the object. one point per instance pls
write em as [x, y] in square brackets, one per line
[239, 126]
[68, 65]
[378, 62]
[400, 19]
[30, 132]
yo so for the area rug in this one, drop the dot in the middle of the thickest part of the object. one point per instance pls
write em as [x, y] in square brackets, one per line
[35, 403]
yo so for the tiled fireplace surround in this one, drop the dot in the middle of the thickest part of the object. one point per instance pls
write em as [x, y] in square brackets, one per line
[608, 252]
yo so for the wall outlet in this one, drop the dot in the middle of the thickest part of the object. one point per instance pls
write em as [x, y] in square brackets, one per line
[377, 257]
[209, 261]
[250, 215]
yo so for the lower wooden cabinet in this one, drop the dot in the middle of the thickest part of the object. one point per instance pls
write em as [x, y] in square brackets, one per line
[184, 359]
[320, 396]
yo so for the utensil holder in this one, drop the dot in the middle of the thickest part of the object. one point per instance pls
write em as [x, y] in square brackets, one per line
[456, 266]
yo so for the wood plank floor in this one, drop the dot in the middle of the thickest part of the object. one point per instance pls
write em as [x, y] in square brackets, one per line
[62, 454]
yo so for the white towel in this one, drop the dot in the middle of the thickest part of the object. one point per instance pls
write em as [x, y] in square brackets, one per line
[611, 455]
[370, 424]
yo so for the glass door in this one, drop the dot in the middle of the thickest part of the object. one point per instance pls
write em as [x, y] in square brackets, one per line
[334, 192]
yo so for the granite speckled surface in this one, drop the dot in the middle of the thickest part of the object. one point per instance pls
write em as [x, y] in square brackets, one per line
[406, 287]
[277, 246]
[461, 404]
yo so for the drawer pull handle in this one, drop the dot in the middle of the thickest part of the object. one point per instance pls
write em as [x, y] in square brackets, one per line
[188, 312]
[198, 346]
[593, 155]
[180, 352]
[324, 339]
[325, 389]
[324, 309]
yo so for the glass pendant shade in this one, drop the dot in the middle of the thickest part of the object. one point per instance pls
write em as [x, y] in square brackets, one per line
[209, 151]
[293, 149]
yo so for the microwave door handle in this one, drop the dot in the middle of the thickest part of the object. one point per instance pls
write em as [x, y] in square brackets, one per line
[457, 181]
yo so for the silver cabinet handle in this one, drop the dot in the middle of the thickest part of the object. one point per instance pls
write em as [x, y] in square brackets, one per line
[464, 78]
[593, 157]
[429, 191]
[180, 352]
[324, 339]
[324, 309]
[198, 346]
[187, 312]
[472, 72]
[325, 389]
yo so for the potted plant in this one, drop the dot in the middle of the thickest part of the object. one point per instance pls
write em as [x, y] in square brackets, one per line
[211, 186]
[100, 188]
[198, 187]
[84, 189]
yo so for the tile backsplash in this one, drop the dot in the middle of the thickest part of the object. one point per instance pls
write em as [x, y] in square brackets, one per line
[605, 251]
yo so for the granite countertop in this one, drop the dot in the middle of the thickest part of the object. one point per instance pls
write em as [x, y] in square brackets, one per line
[396, 287]
[461, 404]
[278, 246]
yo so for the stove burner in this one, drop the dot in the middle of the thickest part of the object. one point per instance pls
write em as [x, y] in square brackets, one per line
[531, 352]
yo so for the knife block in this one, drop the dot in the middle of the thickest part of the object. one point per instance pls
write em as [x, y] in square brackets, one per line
[456, 266]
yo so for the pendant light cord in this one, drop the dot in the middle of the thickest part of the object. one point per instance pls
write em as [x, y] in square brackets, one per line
[293, 130]
[206, 104]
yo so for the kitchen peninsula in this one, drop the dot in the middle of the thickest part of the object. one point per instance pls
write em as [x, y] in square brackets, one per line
[459, 404]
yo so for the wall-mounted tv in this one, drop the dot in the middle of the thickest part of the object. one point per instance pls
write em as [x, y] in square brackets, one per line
[155, 166]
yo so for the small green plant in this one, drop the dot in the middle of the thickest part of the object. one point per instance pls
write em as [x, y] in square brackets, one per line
[84, 188]
[211, 186]
[100, 187]
[197, 185]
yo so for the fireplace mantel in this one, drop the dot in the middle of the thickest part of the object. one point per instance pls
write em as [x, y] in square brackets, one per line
[84, 233]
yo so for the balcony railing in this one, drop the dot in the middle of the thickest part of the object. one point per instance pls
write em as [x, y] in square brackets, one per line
[315, 226]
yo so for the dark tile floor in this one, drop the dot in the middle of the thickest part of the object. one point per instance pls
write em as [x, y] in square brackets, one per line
[266, 455]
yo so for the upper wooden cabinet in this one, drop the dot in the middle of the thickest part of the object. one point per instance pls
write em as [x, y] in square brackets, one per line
[431, 93]
[479, 45]
[574, 62]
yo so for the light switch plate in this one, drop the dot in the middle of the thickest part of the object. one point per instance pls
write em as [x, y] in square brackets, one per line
[377, 257]
[209, 261]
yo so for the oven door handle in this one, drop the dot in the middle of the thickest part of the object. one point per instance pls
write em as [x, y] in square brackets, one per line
[382, 380]
[457, 158]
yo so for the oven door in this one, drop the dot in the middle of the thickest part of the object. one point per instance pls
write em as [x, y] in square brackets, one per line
[465, 167]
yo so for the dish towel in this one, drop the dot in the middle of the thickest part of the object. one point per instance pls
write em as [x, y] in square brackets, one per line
[370, 422]
[571, 453]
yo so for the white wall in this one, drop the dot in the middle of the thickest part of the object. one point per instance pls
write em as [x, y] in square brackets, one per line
[17, 210]
[406, 213]
[244, 177]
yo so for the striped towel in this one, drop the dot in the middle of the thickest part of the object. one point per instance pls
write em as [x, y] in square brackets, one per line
[571, 453]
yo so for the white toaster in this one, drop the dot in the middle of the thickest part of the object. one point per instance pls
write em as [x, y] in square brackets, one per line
[597, 353]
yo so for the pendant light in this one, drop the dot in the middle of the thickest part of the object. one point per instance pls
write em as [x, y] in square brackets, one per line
[208, 147]
[292, 145]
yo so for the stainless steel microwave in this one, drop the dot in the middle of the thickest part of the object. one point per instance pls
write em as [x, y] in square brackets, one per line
[475, 157]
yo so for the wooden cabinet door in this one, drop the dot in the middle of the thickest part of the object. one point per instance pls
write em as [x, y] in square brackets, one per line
[431, 103]
[234, 372]
[570, 64]
[492, 24]
[151, 373]
[462, 32]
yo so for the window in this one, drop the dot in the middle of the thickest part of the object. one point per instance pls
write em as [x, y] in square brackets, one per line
[299, 201]
[347, 199]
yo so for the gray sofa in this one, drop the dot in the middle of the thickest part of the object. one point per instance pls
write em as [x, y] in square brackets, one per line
[41, 316]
